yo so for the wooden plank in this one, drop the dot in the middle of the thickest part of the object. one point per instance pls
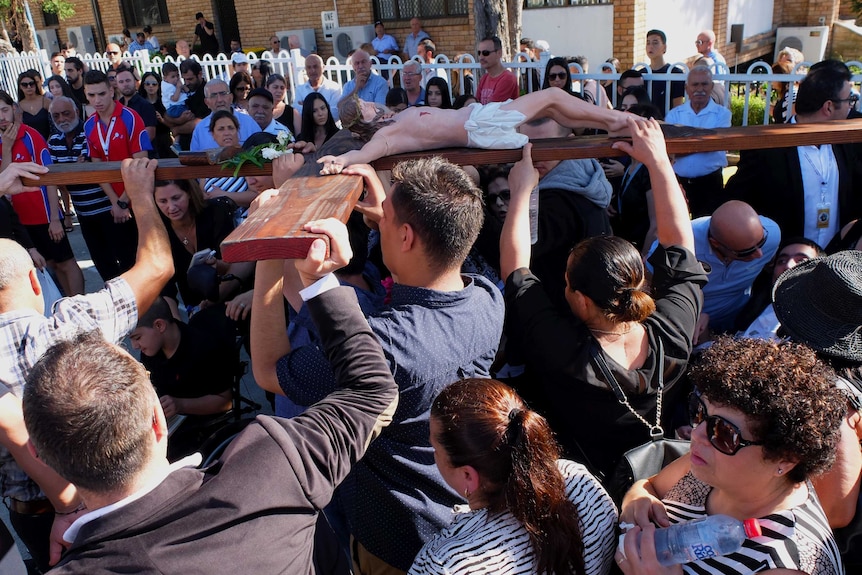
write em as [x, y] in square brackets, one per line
[274, 230]
[168, 169]
[741, 138]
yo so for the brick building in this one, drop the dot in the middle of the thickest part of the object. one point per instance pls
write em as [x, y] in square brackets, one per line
[449, 22]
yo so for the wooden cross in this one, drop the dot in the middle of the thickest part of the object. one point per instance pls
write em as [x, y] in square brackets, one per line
[274, 232]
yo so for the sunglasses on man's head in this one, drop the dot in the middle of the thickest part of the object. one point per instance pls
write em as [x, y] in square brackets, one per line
[557, 75]
[722, 434]
[485, 52]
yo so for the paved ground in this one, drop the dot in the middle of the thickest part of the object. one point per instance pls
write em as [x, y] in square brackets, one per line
[93, 282]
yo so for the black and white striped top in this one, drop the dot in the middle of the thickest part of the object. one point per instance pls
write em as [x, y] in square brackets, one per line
[477, 542]
[797, 538]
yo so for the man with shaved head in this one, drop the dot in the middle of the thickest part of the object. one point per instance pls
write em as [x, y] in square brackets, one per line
[319, 83]
[733, 244]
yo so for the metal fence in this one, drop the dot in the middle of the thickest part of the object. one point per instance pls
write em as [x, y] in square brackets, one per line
[756, 85]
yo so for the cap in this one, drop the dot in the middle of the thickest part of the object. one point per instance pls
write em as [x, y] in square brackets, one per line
[262, 92]
[239, 58]
[378, 23]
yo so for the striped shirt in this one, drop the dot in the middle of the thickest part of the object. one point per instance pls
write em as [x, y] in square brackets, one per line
[477, 542]
[89, 199]
[797, 538]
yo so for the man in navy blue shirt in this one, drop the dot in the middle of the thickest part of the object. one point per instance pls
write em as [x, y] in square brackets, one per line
[438, 327]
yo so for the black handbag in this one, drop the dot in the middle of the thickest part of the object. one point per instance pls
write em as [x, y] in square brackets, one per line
[648, 459]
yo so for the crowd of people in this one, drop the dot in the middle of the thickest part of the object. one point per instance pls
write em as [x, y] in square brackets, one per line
[458, 371]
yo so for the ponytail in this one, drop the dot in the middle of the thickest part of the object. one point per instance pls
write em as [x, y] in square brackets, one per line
[485, 424]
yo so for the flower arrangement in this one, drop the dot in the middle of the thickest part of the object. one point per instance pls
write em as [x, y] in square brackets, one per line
[261, 153]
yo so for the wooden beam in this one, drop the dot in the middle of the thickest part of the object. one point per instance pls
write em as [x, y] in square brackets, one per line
[274, 231]
[168, 169]
[742, 138]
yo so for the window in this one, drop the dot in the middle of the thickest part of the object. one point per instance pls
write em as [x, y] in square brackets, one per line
[555, 3]
[406, 9]
[50, 19]
[138, 13]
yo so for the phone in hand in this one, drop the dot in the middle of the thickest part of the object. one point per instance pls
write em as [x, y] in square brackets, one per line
[201, 257]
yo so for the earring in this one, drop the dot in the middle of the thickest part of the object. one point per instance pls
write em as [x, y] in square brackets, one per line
[780, 471]
[466, 493]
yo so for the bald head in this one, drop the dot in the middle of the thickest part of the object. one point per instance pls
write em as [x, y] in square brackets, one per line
[736, 227]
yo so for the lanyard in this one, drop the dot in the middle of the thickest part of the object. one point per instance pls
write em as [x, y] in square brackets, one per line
[822, 171]
[107, 138]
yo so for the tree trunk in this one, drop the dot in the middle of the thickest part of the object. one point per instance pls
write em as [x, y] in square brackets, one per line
[492, 19]
[514, 7]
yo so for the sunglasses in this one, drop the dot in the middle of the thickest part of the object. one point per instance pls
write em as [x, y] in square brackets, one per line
[557, 76]
[853, 100]
[485, 52]
[722, 434]
[504, 195]
[111, 53]
[746, 252]
[151, 83]
[27, 84]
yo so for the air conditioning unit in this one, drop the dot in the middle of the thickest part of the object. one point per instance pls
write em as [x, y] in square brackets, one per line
[81, 37]
[48, 40]
[306, 38]
[350, 38]
[810, 40]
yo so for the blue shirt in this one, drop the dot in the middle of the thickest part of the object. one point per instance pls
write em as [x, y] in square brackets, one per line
[712, 116]
[386, 43]
[395, 498]
[729, 285]
[137, 47]
[202, 138]
[411, 43]
[375, 89]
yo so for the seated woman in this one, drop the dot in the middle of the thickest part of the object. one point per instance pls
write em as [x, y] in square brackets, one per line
[195, 224]
[240, 85]
[318, 125]
[224, 128]
[766, 417]
[437, 93]
[611, 319]
[528, 510]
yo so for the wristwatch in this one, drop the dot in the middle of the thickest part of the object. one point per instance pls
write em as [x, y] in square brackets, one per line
[122, 205]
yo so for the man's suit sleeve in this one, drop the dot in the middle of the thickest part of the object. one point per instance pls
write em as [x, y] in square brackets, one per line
[334, 433]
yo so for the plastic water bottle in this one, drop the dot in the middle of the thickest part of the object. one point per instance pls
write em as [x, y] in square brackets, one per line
[712, 536]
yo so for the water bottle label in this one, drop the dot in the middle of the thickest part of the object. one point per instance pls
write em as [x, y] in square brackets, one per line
[703, 552]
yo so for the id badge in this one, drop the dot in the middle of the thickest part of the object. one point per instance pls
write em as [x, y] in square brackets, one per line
[823, 215]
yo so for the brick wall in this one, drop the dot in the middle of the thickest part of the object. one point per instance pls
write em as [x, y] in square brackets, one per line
[629, 31]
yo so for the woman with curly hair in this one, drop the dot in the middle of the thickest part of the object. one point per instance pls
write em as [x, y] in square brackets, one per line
[528, 510]
[766, 420]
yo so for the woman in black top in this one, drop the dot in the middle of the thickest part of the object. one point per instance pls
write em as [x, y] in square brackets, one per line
[611, 320]
[151, 91]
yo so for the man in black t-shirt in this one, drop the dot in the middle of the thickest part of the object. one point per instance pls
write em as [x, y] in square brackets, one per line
[191, 369]
[656, 46]
[205, 35]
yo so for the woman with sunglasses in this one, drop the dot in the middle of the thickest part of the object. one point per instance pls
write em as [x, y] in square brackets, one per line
[151, 91]
[610, 320]
[766, 419]
[557, 75]
[240, 85]
[34, 103]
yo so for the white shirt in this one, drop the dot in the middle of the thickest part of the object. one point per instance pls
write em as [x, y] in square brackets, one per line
[328, 89]
[703, 163]
[71, 533]
[820, 192]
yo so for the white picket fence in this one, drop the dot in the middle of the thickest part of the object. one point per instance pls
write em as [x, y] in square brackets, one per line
[758, 79]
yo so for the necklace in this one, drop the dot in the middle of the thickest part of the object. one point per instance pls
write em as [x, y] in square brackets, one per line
[184, 234]
[606, 332]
